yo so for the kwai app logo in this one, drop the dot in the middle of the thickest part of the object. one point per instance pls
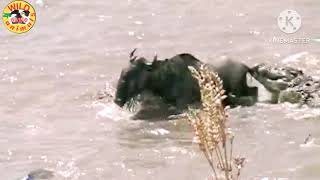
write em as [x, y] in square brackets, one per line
[19, 16]
[289, 21]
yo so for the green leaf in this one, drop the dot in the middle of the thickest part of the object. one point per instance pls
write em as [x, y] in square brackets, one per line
[6, 15]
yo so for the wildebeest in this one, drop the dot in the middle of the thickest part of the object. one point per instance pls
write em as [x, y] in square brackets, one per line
[171, 80]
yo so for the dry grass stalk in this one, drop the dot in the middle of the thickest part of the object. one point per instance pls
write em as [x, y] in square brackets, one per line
[209, 125]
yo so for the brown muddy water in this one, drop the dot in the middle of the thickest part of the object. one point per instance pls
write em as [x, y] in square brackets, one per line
[48, 77]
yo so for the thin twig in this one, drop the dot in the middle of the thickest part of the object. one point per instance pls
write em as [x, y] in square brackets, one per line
[231, 149]
[219, 157]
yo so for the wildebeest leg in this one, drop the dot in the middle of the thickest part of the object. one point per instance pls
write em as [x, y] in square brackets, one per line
[250, 99]
[243, 101]
[152, 107]
[269, 75]
[269, 80]
[272, 86]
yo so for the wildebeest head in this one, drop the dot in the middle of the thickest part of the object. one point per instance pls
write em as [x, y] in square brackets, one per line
[133, 79]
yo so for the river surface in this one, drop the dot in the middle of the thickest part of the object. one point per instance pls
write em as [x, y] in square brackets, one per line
[50, 119]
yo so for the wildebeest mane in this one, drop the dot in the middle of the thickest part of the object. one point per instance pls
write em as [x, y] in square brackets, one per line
[169, 74]
[175, 66]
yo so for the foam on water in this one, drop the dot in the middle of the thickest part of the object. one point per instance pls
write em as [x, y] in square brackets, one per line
[110, 111]
[310, 144]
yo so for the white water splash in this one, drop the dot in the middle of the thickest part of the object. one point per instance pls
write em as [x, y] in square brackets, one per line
[110, 111]
[302, 113]
[159, 131]
[305, 61]
[311, 143]
[295, 57]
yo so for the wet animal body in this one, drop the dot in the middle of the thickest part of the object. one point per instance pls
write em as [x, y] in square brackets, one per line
[171, 80]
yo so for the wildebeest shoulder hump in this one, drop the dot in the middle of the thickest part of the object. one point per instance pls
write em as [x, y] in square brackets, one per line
[185, 59]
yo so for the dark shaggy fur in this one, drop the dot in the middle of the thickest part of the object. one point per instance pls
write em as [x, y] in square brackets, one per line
[171, 80]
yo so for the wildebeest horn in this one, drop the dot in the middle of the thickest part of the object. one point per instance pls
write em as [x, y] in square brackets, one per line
[132, 57]
[132, 52]
[155, 58]
[155, 61]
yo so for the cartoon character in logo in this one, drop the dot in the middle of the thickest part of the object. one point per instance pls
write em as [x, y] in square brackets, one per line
[19, 17]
